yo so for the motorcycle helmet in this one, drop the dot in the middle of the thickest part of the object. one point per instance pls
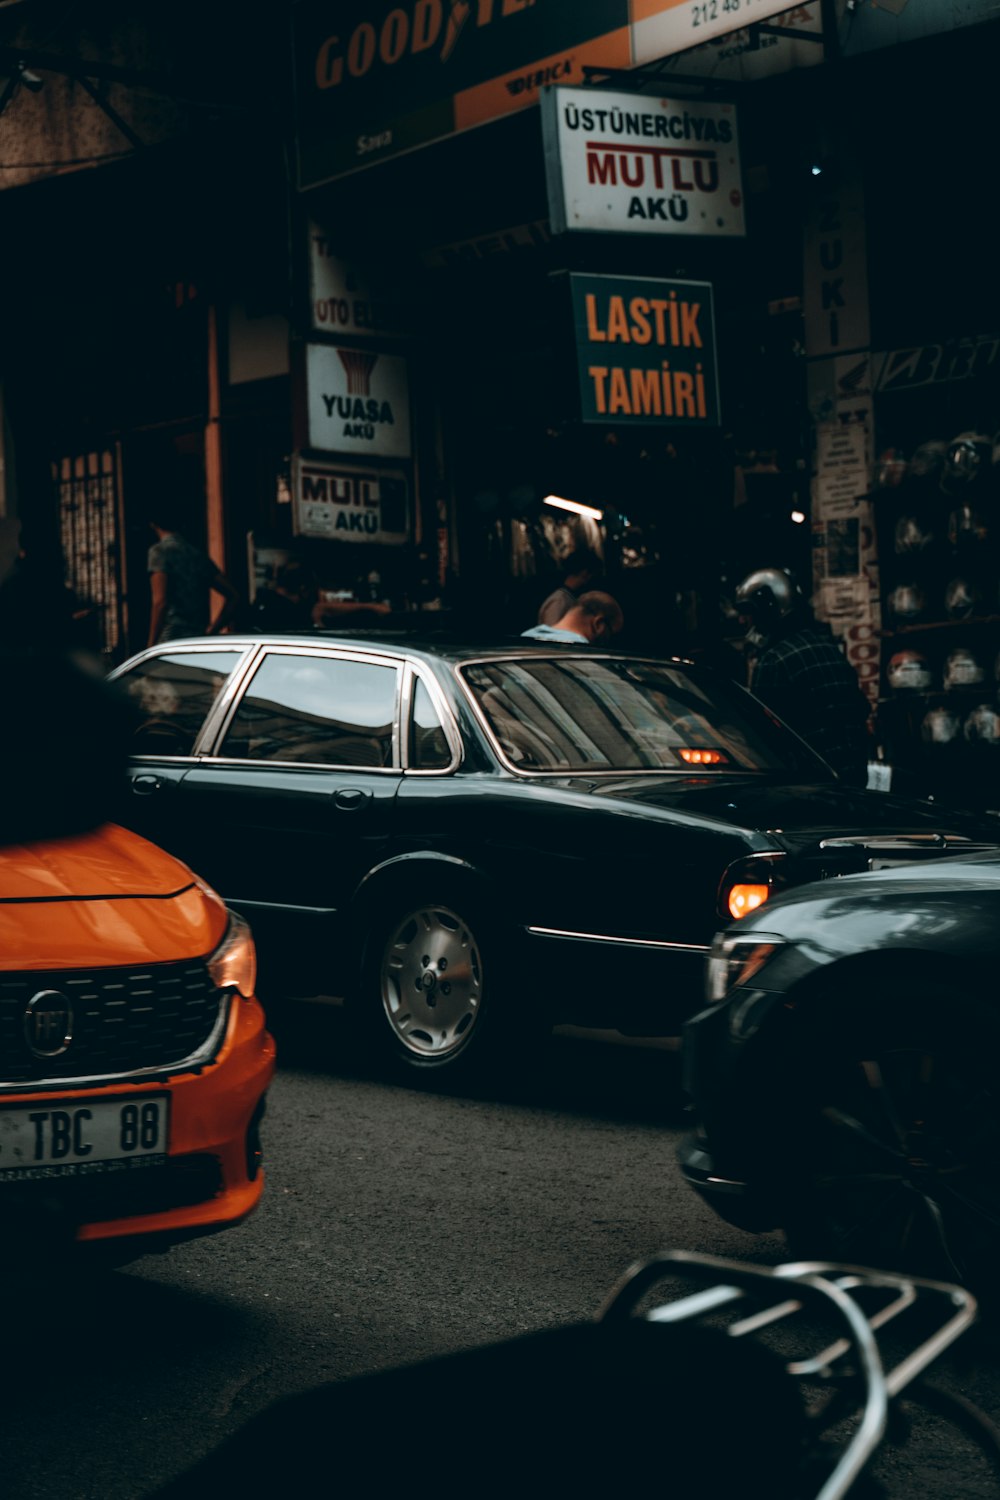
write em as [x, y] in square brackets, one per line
[911, 535]
[960, 599]
[983, 724]
[940, 726]
[927, 461]
[968, 455]
[767, 596]
[908, 672]
[907, 601]
[961, 669]
[966, 527]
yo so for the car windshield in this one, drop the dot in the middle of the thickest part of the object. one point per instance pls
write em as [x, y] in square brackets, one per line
[602, 713]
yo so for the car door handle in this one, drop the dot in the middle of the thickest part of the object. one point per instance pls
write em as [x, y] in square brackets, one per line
[351, 798]
[145, 786]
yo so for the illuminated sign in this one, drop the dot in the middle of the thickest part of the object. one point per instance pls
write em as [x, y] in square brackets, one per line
[645, 351]
[632, 164]
[345, 503]
[358, 401]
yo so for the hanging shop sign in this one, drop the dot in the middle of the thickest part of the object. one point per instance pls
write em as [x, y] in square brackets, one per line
[374, 79]
[342, 301]
[645, 351]
[626, 163]
[349, 503]
[659, 29]
[835, 270]
[358, 401]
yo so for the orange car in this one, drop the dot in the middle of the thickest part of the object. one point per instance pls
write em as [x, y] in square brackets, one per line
[134, 1056]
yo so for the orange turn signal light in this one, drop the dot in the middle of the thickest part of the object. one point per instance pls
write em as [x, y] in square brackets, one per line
[703, 757]
[744, 899]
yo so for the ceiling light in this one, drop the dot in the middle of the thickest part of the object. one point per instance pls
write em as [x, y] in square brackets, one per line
[574, 506]
[798, 516]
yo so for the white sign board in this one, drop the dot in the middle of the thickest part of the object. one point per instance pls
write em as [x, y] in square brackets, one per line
[630, 163]
[342, 302]
[689, 22]
[347, 503]
[358, 401]
[745, 55]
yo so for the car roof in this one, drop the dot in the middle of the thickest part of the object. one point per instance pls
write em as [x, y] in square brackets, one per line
[446, 646]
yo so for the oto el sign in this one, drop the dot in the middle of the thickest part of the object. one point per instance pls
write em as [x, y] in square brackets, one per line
[645, 351]
[358, 402]
[342, 301]
[348, 503]
[627, 163]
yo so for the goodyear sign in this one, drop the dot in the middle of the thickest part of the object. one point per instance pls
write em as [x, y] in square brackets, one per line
[374, 79]
[645, 351]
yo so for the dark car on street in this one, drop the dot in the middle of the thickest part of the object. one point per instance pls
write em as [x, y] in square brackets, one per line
[471, 844]
[844, 1074]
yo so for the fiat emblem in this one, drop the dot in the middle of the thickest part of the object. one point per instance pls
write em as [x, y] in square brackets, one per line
[48, 1023]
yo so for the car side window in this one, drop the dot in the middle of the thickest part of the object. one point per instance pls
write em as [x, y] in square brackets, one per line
[173, 695]
[429, 749]
[319, 709]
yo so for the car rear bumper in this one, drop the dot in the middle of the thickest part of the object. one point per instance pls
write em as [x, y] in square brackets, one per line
[211, 1178]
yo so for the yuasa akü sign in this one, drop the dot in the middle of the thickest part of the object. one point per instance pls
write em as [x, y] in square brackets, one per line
[626, 163]
[346, 503]
[645, 351]
[358, 401]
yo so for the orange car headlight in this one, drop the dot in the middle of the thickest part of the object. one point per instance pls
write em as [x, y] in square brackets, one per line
[233, 965]
[743, 899]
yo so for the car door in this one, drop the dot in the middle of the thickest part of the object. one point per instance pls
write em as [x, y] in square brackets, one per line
[172, 692]
[296, 799]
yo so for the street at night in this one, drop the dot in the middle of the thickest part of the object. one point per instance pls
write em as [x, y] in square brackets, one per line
[397, 1225]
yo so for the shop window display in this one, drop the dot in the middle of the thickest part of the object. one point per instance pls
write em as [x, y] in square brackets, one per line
[938, 520]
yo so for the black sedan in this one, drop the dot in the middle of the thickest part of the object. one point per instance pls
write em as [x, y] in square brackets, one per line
[844, 1073]
[472, 844]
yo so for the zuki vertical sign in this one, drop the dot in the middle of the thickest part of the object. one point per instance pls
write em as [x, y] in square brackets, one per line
[626, 162]
[646, 351]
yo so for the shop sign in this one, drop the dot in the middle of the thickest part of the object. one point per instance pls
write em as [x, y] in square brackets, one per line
[659, 29]
[746, 55]
[342, 302]
[645, 351]
[347, 503]
[358, 401]
[632, 164]
[374, 79]
[835, 273]
[936, 364]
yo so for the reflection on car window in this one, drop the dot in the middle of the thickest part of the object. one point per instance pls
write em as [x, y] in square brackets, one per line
[429, 748]
[174, 694]
[601, 714]
[316, 708]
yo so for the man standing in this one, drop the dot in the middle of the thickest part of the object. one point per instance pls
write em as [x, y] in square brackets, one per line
[580, 569]
[594, 617]
[802, 675]
[182, 579]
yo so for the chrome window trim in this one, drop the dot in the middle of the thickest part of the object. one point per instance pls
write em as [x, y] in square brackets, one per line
[415, 672]
[202, 1056]
[625, 942]
[210, 748]
[581, 772]
[242, 649]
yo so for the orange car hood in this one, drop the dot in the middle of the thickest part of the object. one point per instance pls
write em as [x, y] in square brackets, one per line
[102, 899]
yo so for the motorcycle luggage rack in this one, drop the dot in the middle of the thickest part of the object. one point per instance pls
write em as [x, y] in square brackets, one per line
[747, 1300]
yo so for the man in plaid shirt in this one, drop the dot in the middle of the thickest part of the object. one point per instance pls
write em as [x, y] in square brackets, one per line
[803, 676]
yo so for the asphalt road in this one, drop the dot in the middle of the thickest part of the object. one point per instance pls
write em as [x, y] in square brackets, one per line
[396, 1224]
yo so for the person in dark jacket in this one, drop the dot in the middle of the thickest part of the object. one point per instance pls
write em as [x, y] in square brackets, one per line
[802, 675]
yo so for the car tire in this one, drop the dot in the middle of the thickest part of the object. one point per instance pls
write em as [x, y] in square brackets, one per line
[439, 994]
[896, 1131]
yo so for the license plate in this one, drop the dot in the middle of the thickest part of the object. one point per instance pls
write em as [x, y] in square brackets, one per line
[83, 1137]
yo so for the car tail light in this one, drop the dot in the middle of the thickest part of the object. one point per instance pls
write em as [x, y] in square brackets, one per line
[749, 882]
[745, 898]
[702, 757]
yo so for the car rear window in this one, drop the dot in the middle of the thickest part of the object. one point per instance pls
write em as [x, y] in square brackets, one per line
[583, 714]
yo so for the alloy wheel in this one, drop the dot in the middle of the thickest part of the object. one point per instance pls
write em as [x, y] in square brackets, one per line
[432, 983]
